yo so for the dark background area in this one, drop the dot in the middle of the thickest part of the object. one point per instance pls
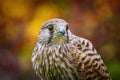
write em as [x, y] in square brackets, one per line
[21, 20]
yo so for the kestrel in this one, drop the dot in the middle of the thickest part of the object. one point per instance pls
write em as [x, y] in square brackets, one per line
[61, 55]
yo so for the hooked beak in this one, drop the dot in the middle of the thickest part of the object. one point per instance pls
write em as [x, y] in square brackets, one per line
[62, 32]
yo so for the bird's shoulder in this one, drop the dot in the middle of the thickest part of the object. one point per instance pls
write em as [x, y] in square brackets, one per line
[82, 44]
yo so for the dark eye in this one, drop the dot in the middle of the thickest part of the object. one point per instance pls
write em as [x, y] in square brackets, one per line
[51, 28]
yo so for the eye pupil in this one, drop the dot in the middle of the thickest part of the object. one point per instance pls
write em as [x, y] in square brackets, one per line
[50, 28]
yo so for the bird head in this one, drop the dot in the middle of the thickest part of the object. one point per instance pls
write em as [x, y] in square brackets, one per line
[54, 31]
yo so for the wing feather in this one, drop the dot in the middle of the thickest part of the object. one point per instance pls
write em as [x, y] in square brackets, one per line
[89, 62]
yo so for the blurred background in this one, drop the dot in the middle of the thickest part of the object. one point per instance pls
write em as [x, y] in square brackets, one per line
[21, 20]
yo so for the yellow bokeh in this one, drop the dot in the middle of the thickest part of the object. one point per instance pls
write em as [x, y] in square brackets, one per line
[15, 8]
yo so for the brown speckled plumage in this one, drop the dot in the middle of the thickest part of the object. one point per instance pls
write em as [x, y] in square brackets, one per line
[60, 55]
